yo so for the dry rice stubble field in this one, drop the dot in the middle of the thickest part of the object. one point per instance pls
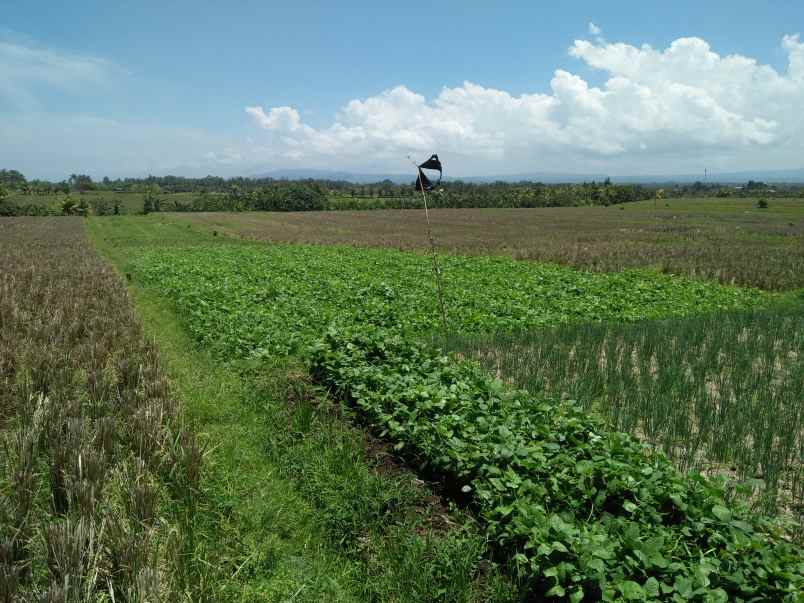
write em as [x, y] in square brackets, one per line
[93, 452]
[729, 240]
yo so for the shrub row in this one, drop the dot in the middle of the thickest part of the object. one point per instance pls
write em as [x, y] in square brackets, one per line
[582, 513]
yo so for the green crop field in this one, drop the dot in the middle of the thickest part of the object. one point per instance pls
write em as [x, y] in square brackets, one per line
[276, 299]
[686, 385]
[620, 433]
[358, 318]
[719, 394]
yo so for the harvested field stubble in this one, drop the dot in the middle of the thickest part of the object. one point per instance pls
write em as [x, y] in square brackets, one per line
[92, 451]
[729, 241]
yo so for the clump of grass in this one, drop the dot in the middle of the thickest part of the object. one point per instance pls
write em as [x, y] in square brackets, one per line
[93, 451]
[407, 543]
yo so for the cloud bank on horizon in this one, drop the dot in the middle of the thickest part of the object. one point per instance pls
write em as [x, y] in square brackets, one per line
[673, 107]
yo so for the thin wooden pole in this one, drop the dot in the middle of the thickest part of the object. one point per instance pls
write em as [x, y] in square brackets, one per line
[436, 268]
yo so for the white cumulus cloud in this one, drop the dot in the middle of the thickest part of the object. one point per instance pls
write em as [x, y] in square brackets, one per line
[665, 109]
[594, 29]
[284, 119]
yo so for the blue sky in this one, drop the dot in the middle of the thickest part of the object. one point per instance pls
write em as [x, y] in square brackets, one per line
[493, 87]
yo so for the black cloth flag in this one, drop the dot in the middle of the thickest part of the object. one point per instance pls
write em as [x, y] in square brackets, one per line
[423, 183]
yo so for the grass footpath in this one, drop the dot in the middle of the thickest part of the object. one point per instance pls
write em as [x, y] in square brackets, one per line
[254, 535]
[295, 504]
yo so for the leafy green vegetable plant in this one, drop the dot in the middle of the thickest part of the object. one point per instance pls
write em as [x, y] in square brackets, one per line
[582, 513]
[268, 300]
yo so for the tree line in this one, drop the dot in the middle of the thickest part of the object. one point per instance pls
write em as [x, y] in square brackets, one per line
[213, 193]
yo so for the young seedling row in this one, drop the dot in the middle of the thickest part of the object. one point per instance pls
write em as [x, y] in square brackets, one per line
[719, 394]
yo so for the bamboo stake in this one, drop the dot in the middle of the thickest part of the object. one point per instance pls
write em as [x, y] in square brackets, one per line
[436, 267]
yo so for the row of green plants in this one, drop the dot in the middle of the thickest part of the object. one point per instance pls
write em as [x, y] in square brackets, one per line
[317, 196]
[448, 195]
[718, 393]
[64, 206]
[296, 503]
[581, 512]
[272, 300]
[500, 196]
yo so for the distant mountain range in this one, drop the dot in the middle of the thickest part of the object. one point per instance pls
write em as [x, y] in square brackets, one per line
[774, 176]
[301, 174]
[770, 176]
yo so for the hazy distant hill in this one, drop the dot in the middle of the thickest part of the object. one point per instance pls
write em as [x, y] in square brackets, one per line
[301, 174]
[777, 176]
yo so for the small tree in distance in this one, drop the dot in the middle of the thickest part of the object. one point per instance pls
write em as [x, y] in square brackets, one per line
[151, 201]
[3, 195]
[69, 207]
[81, 183]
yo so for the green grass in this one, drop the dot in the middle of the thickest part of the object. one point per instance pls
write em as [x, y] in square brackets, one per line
[126, 234]
[292, 505]
[253, 536]
[784, 207]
